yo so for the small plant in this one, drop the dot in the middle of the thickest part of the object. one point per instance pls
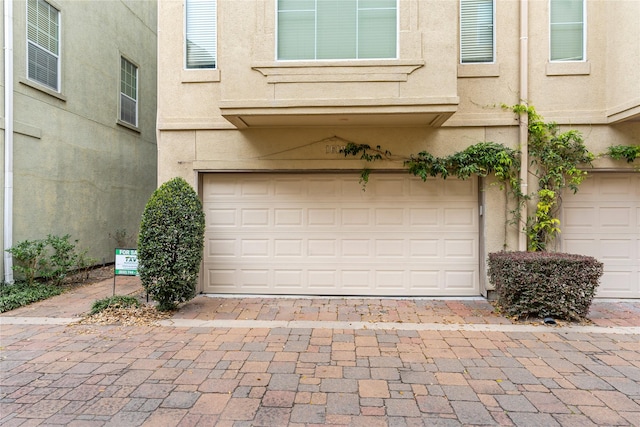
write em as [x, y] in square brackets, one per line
[84, 264]
[30, 259]
[62, 259]
[171, 243]
[50, 259]
[21, 294]
[116, 301]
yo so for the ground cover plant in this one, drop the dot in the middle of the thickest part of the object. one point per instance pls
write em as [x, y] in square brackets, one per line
[116, 301]
[21, 294]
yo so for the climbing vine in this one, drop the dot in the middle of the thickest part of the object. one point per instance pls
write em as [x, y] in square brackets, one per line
[627, 152]
[555, 157]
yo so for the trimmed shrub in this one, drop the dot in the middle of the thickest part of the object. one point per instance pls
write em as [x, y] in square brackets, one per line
[170, 244]
[544, 283]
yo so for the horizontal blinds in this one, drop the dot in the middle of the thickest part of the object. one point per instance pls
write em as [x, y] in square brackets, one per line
[476, 31]
[567, 30]
[43, 67]
[337, 29]
[201, 39]
[43, 25]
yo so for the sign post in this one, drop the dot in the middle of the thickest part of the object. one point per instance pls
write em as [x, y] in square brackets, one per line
[126, 264]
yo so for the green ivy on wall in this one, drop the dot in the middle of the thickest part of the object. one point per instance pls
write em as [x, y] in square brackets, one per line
[557, 159]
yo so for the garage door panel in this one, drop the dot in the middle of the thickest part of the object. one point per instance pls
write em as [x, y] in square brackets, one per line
[288, 248]
[215, 217]
[426, 280]
[253, 217]
[423, 217]
[253, 279]
[615, 281]
[358, 280]
[425, 248]
[459, 217]
[456, 188]
[289, 217]
[603, 220]
[577, 219]
[615, 216]
[460, 280]
[306, 234]
[617, 249]
[322, 248]
[220, 248]
[460, 249]
[359, 217]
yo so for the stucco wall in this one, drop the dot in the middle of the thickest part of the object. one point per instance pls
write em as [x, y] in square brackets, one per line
[194, 135]
[76, 170]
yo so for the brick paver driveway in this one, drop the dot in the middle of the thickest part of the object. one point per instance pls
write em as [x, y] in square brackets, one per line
[215, 371]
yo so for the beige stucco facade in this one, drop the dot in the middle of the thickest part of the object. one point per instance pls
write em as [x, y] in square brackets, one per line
[254, 113]
[77, 170]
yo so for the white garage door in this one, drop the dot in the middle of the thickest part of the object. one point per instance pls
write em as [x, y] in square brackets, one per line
[603, 220]
[320, 234]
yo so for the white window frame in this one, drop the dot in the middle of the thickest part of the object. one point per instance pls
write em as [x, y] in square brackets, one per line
[397, 47]
[584, 36]
[34, 44]
[202, 26]
[493, 36]
[127, 96]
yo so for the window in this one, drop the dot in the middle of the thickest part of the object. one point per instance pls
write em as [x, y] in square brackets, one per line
[200, 29]
[43, 44]
[128, 92]
[567, 24]
[476, 31]
[337, 29]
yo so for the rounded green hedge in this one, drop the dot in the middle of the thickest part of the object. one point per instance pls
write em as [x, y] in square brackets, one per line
[170, 244]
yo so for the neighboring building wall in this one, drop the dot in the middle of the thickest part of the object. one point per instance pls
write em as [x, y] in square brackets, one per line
[254, 113]
[77, 169]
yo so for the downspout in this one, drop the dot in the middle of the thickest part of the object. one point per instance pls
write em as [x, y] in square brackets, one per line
[523, 121]
[8, 140]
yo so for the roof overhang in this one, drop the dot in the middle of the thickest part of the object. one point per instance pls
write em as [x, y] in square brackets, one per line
[625, 113]
[362, 112]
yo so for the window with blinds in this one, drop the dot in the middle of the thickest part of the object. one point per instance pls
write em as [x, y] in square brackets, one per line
[128, 92]
[337, 29]
[43, 44]
[476, 31]
[200, 29]
[567, 30]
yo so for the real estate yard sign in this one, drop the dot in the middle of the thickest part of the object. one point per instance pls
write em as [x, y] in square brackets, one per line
[126, 264]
